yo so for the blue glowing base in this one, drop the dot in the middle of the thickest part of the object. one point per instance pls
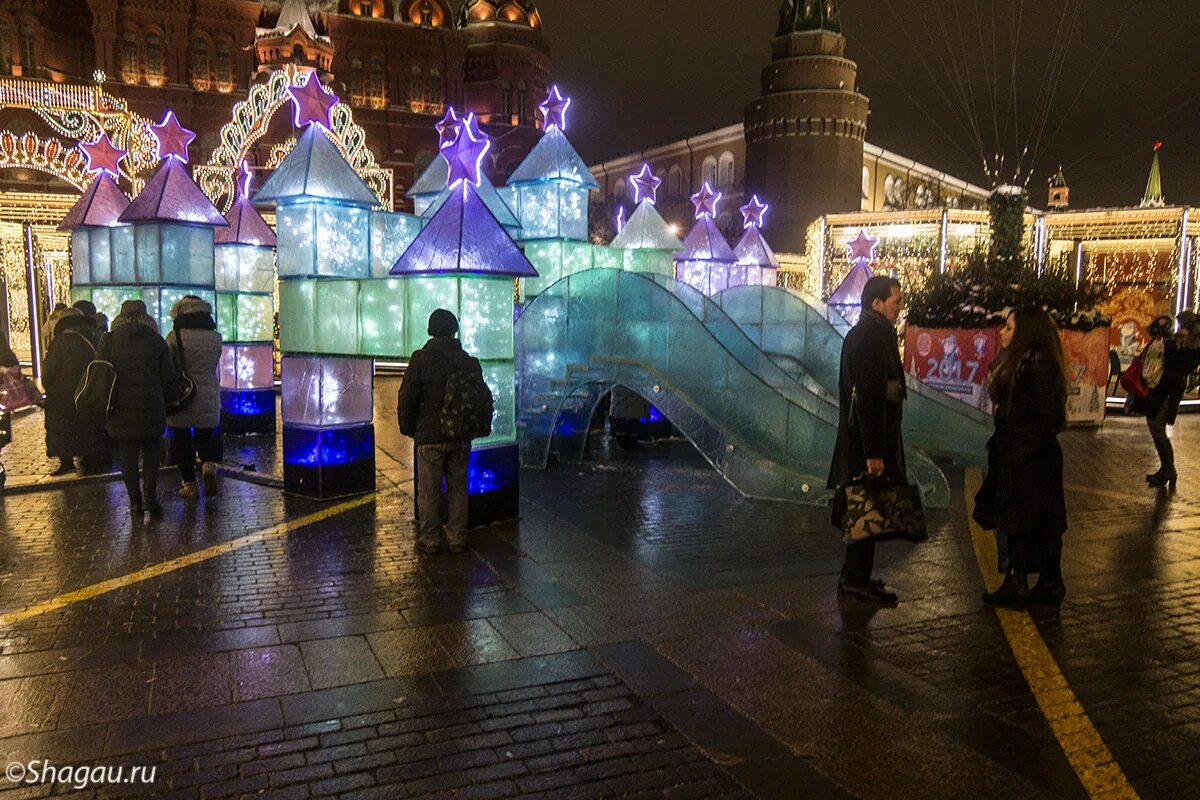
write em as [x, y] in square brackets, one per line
[329, 462]
[494, 484]
[168, 454]
[248, 411]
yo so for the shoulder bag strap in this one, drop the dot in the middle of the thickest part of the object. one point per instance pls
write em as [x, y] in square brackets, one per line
[179, 352]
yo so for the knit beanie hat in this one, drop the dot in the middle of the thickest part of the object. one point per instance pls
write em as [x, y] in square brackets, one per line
[86, 306]
[442, 323]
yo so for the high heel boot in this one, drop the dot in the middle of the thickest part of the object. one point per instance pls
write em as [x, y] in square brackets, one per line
[1164, 477]
[1013, 593]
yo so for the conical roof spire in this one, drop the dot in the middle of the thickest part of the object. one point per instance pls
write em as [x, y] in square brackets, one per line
[1154, 194]
[293, 13]
[1059, 180]
[801, 16]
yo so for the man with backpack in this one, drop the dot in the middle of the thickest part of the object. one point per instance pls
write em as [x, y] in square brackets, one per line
[444, 403]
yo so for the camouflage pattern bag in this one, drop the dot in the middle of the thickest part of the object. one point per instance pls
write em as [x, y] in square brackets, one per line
[871, 508]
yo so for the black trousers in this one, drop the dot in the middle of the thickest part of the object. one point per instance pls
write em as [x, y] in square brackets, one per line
[860, 561]
[186, 443]
[1162, 441]
[151, 453]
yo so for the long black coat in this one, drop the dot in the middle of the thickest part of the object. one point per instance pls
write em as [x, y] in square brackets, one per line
[1025, 455]
[145, 376]
[869, 427]
[69, 433]
[424, 387]
[1181, 357]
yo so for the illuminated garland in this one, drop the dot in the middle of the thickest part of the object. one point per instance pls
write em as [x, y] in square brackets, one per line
[50, 156]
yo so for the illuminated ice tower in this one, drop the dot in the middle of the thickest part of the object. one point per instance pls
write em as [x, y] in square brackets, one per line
[98, 239]
[646, 243]
[465, 261]
[549, 191]
[706, 259]
[846, 298]
[245, 283]
[324, 220]
[756, 261]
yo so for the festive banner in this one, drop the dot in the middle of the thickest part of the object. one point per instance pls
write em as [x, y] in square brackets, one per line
[1087, 359]
[952, 360]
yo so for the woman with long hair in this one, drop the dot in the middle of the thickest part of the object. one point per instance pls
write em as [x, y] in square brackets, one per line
[1028, 383]
[1181, 357]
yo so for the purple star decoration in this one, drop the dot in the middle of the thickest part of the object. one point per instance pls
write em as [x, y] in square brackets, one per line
[706, 201]
[448, 128]
[753, 213]
[620, 218]
[645, 185]
[102, 156]
[465, 154]
[312, 102]
[172, 138]
[861, 249]
[554, 109]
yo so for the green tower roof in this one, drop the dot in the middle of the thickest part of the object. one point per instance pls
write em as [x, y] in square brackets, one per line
[1154, 193]
[800, 16]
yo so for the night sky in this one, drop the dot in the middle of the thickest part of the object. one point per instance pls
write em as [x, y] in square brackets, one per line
[648, 72]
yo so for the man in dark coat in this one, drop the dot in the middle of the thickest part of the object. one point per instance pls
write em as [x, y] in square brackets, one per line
[145, 377]
[871, 396]
[70, 433]
[420, 403]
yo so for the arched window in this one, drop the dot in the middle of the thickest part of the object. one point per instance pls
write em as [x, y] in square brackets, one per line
[200, 69]
[675, 182]
[356, 82]
[378, 82]
[889, 190]
[621, 189]
[522, 102]
[725, 171]
[435, 88]
[5, 49]
[426, 13]
[224, 67]
[154, 58]
[866, 183]
[129, 57]
[708, 172]
[416, 89]
[28, 37]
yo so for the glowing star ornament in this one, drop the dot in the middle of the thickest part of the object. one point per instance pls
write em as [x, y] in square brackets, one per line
[172, 138]
[645, 185]
[448, 128]
[620, 219]
[706, 201]
[554, 109]
[861, 249]
[312, 102]
[102, 157]
[246, 175]
[465, 154]
[753, 213]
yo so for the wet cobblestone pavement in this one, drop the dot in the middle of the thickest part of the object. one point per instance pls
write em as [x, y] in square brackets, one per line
[642, 631]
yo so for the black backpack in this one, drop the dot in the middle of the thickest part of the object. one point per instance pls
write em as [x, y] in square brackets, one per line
[96, 390]
[467, 406]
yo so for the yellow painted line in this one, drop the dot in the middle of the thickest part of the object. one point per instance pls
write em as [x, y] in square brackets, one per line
[175, 564]
[1091, 759]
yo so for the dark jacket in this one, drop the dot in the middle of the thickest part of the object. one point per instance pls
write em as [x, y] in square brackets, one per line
[1025, 456]
[202, 356]
[424, 386]
[1181, 357]
[69, 433]
[869, 427]
[145, 376]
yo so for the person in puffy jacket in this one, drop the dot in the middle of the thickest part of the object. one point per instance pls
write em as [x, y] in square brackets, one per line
[70, 433]
[194, 428]
[145, 378]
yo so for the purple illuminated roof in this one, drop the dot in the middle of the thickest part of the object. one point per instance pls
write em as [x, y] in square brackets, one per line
[753, 250]
[849, 292]
[464, 237]
[246, 226]
[101, 205]
[172, 196]
[705, 243]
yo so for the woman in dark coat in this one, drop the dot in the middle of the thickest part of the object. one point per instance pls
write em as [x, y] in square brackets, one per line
[1181, 357]
[145, 378]
[69, 433]
[1028, 383]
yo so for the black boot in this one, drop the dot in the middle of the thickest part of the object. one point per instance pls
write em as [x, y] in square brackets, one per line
[1164, 477]
[1013, 593]
[1048, 592]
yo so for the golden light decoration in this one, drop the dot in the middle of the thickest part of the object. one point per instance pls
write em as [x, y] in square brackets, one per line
[51, 156]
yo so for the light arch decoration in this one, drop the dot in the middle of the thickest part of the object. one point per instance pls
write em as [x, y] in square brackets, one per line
[250, 120]
[50, 155]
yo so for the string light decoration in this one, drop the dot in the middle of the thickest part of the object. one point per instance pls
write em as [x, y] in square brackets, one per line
[49, 155]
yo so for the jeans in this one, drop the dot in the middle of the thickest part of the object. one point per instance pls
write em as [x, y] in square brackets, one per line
[1162, 442]
[186, 443]
[433, 462]
[860, 561]
[151, 452]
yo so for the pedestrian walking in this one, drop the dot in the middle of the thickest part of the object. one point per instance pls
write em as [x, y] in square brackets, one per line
[9, 367]
[443, 404]
[72, 433]
[195, 348]
[145, 378]
[871, 389]
[1023, 492]
[1180, 358]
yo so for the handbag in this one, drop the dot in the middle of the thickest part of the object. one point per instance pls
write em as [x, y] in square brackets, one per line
[870, 507]
[186, 387]
[1132, 380]
[16, 390]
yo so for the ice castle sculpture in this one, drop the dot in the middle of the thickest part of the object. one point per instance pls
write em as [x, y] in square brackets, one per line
[756, 261]
[846, 298]
[646, 243]
[707, 260]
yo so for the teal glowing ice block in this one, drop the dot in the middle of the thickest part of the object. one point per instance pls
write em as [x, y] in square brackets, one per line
[648, 243]
[382, 311]
[101, 247]
[391, 234]
[319, 316]
[551, 188]
[244, 317]
[554, 259]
